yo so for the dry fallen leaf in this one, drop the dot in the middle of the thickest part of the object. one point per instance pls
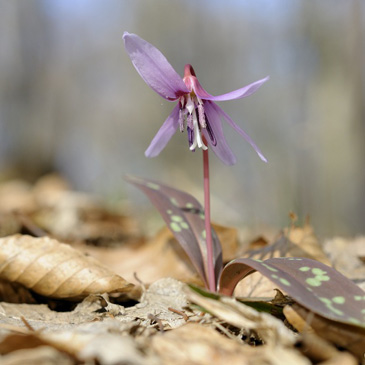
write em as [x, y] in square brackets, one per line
[322, 352]
[270, 329]
[38, 356]
[55, 269]
[16, 195]
[307, 241]
[346, 255]
[159, 257]
[197, 344]
[348, 337]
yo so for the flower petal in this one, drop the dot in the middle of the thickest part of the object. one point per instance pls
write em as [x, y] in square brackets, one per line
[236, 94]
[164, 134]
[228, 119]
[221, 149]
[154, 68]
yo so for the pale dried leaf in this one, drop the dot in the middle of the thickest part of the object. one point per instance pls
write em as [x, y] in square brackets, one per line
[349, 337]
[39, 316]
[54, 269]
[307, 241]
[155, 303]
[270, 329]
[158, 258]
[42, 355]
[110, 349]
[85, 342]
[320, 351]
[16, 195]
[196, 344]
[345, 255]
[228, 236]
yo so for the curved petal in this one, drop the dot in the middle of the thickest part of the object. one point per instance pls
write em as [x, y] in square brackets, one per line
[236, 94]
[221, 149]
[228, 119]
[164, 134]
[154, 68]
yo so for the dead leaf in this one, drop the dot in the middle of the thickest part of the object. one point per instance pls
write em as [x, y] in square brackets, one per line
[307, 241]
[42, 355]
[346, 256]
[15, 293]
[54, 269]
[349, 337]
[228, 236]
[197, 344]
[157, 258]
[271, 330]
[16, 195]
[320, 351]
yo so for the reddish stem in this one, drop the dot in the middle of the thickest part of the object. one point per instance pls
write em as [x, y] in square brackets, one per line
[208, 229]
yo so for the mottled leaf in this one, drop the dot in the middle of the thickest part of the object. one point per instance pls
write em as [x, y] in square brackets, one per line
[55, 269]
[184, 216]
[312, 284]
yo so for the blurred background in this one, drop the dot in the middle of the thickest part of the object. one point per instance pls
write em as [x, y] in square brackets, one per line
[72, 102]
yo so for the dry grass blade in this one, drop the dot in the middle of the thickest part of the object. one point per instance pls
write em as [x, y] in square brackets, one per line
[54, 269]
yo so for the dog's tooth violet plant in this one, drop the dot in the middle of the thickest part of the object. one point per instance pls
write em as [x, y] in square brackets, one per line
[317, 287]
[196, 111]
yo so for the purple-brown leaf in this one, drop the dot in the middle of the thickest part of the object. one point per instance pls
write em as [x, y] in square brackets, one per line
[184, 216]
[312, 284]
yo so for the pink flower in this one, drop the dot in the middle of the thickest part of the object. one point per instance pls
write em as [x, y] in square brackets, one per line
[195, 110]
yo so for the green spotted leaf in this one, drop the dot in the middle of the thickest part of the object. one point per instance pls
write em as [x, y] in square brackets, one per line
[184, 216]
[312, 284]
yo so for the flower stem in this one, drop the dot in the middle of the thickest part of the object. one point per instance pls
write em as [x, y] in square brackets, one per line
[208, 229]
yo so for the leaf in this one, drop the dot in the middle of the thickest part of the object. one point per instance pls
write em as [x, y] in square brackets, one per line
[342, 335]
[312, 284]
[54, 269]
[270, 329]
[346, 256]
[259, 305]
[293, 242]
[197, 344]
[184, 216]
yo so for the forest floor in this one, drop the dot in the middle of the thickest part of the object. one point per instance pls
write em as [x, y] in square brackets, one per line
[80, 284]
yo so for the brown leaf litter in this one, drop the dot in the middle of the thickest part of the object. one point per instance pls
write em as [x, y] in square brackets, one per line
[89, 253]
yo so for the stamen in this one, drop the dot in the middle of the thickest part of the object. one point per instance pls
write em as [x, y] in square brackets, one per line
[190, 105]
[189, 121]
[201, 116]
[211, 134]
[197, 136]
[182, 102]
[190, 136]
[181, 120]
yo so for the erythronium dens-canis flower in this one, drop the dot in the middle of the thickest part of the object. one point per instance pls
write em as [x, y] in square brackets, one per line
[196, 109]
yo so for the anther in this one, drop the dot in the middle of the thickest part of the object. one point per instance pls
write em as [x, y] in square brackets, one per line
[181, 120]
[211, 134]
[190, 136]
[189, 121]
[201, 116]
